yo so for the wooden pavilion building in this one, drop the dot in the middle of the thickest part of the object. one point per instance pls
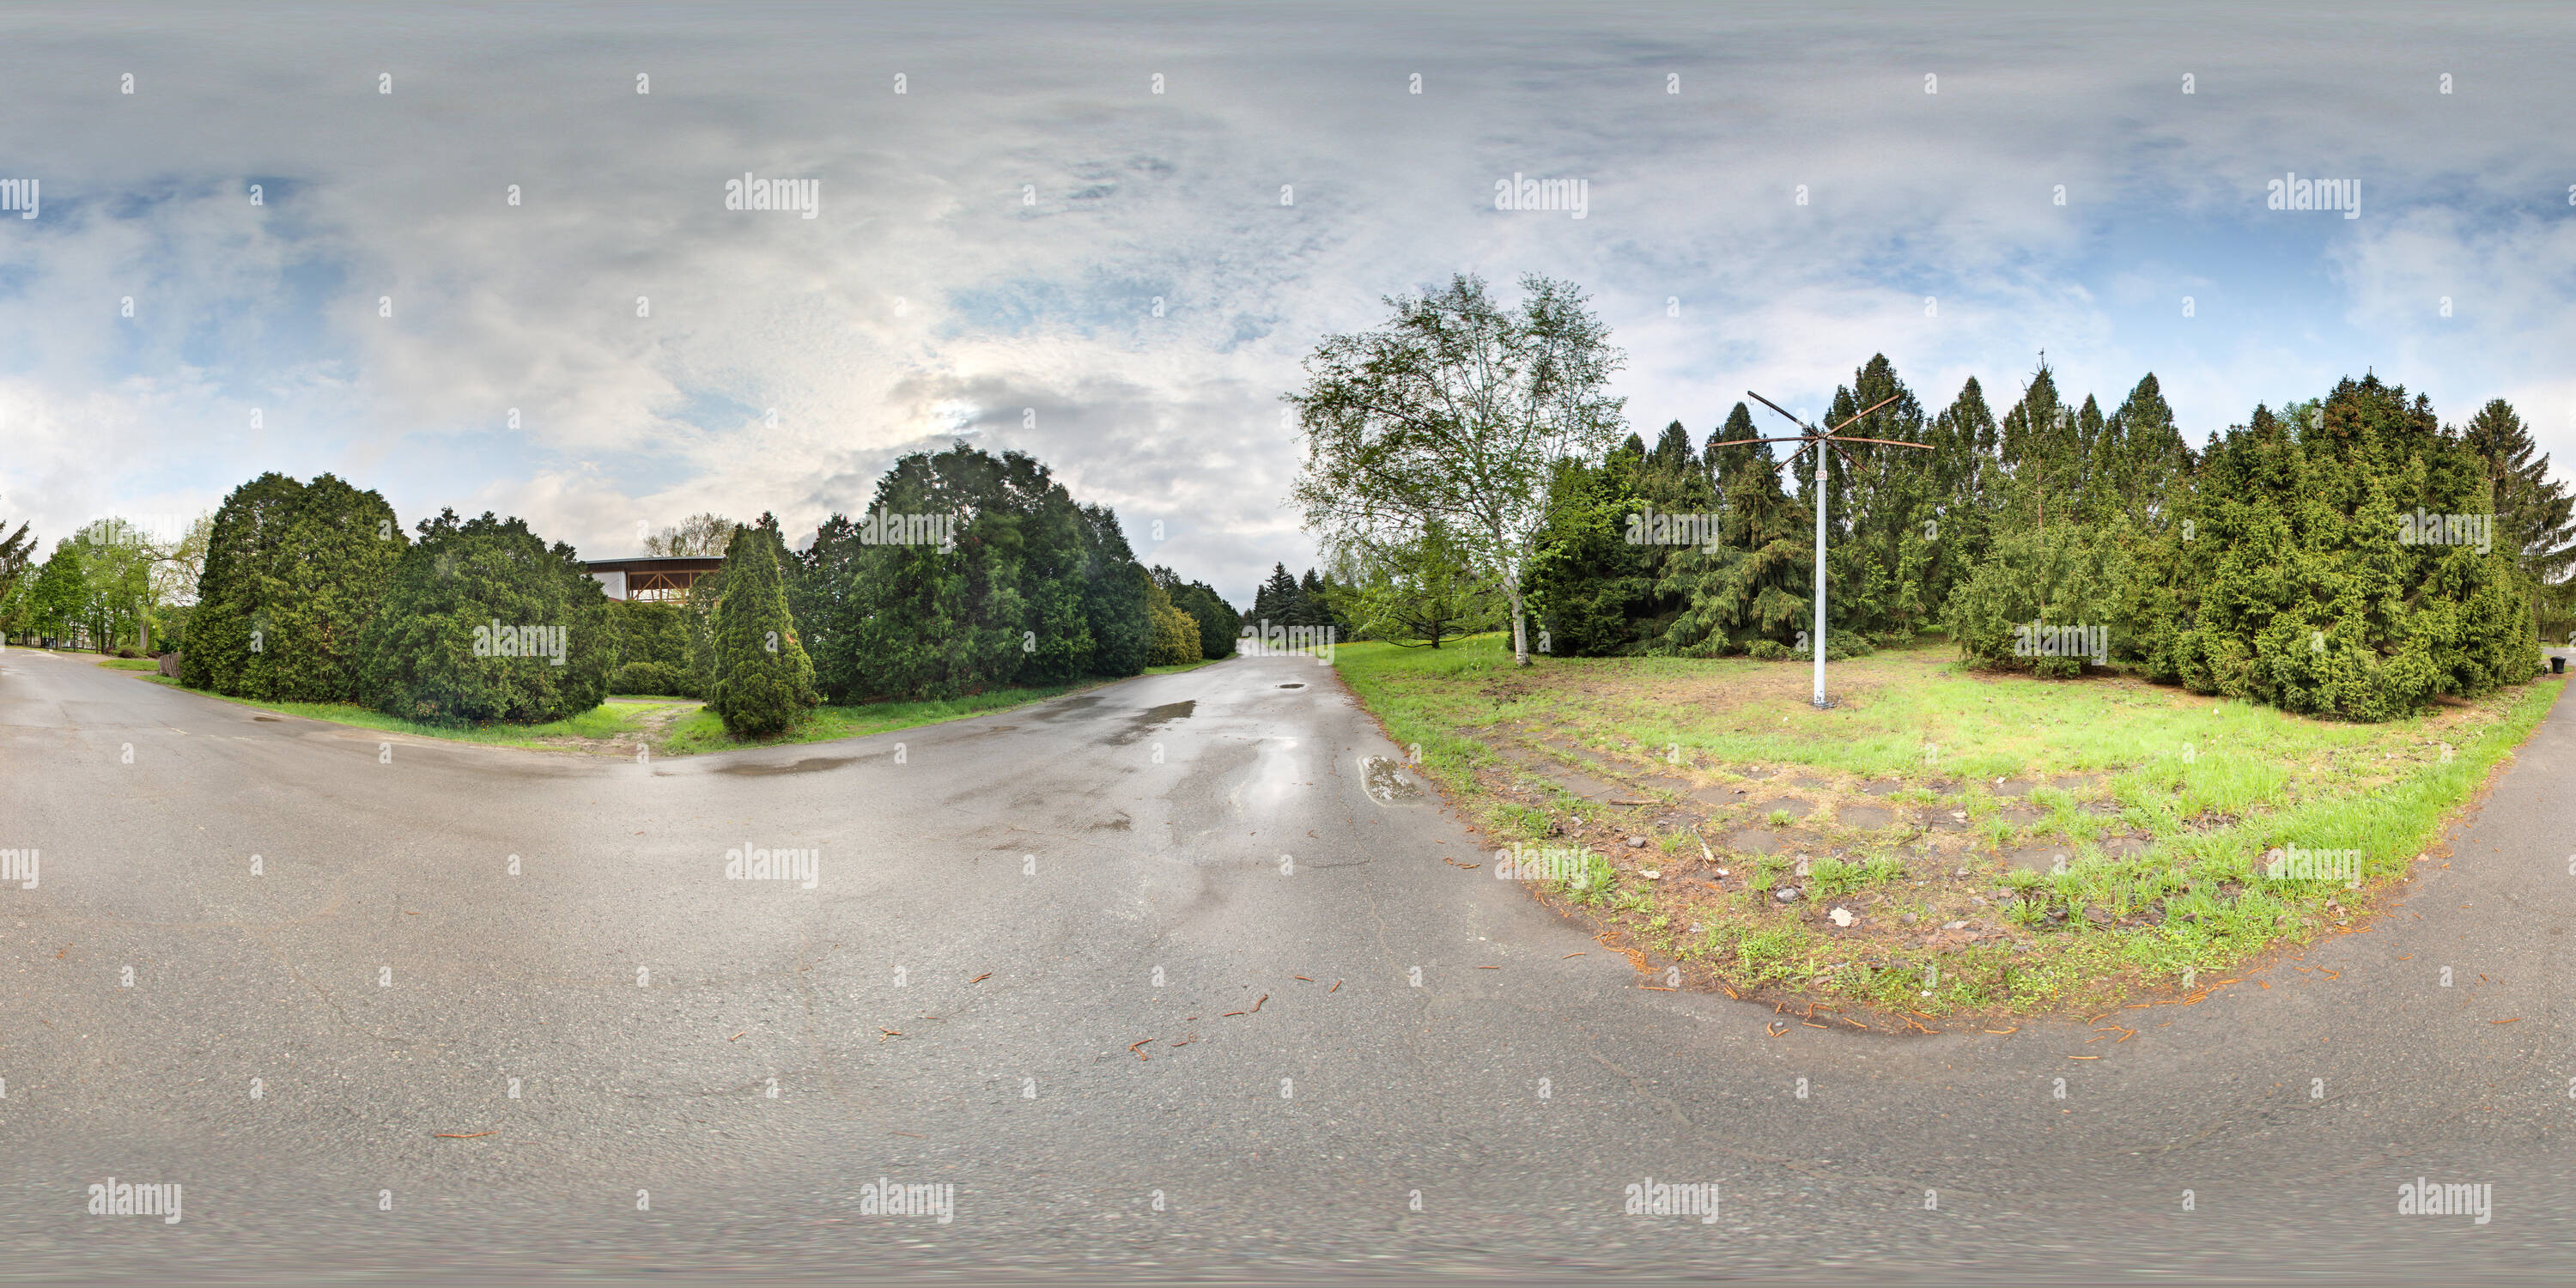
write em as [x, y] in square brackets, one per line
[653, 578]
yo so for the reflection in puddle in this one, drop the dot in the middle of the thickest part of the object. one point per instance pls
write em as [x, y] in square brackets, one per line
[1274, 778]
[1388, 784]
[806, 766]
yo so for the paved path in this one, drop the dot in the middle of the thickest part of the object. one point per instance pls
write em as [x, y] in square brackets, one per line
[1005, 893]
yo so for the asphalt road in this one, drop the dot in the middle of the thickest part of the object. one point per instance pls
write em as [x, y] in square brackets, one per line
[1002, 906]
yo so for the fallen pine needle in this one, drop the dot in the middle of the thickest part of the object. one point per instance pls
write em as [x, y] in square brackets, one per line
[1576, 953]
[1659, 988]
[459, 1135]
[1337, 987]
[2014, 1029]
[1774, 1029]
[2515, 1020]
[1256, 1005]
[914, 1134]
[2083, 1057]
[1131, 1048]
[883, 1034]
[1495, 967]
[1301, 977]
[2331, 974]
[980, 979]
[1855, 1024]
[1811, 1024]
[1230, 1014]
[737, 1037]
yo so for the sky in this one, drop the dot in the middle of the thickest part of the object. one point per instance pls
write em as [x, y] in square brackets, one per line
[1108, 235]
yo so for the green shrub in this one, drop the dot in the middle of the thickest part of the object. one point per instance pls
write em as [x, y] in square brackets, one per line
[482, 621]
[1176, 634]
[293, 576]
[657, 678]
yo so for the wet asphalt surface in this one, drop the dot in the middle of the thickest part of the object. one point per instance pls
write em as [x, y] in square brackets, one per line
[1004, 908]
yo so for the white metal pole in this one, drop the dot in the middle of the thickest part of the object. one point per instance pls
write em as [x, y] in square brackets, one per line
[1820, 572]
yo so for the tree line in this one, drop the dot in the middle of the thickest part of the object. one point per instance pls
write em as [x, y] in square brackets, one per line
[2347, 555]
[313, 592]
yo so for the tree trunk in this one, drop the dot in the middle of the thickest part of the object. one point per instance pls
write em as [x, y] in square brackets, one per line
[1520, 629]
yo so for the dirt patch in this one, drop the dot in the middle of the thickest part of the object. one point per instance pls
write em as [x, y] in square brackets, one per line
[651, 729]
[1871, 817]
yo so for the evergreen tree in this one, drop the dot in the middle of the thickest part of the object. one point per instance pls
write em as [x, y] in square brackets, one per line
[1277, 598]
[764, 681]
[293, 574]
[1757, 586]
[1113, 597]
[2533, 522]
[2296, 584]
[481, 621]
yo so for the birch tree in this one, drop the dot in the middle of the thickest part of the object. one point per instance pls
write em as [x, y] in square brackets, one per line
[1458, 413]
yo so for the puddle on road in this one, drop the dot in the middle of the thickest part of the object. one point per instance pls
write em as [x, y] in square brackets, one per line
[811, 764]
[1388, 784]
[1151, 716]
[1063, 707]
[1292, 686]
[269, 719]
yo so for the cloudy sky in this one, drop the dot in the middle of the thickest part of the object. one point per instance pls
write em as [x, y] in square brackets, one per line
[1031, 247]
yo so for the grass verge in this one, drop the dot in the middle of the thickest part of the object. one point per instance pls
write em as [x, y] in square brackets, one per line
[674, 726]
[1949, 842]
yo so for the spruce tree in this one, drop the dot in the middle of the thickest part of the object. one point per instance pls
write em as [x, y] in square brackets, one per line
[2533, 522]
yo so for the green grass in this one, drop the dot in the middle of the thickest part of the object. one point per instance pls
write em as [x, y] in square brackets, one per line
[694, 732]
[130, 663]
[2212, 783]
[607, 720]
[700, 730]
